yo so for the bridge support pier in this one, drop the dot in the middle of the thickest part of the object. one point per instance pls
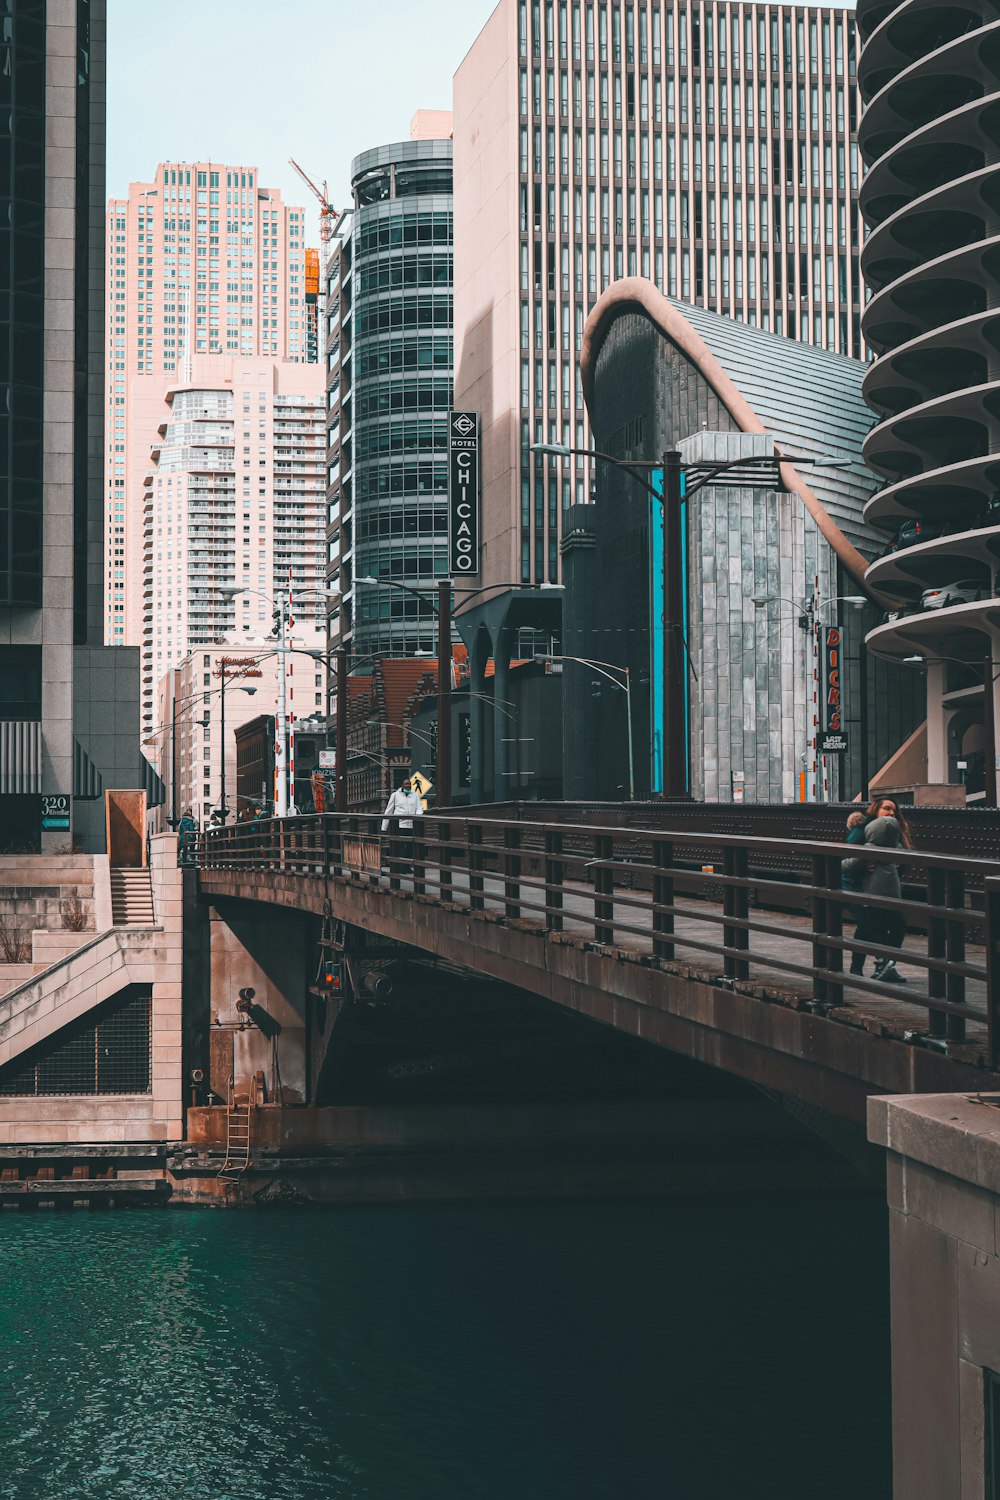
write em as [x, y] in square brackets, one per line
[273, 952]
[943, 1176]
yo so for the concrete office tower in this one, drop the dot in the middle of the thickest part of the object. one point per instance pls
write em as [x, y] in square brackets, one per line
[202, 260]
[234, 499]
[68, 708]
[187, 743]
[930, 78]
[389, 353]
[707, 145]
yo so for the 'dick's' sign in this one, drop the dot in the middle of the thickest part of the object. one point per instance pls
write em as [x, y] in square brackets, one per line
[463, 492]
[832, 737]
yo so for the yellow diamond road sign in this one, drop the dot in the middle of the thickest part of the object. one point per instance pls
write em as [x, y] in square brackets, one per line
[421, 785]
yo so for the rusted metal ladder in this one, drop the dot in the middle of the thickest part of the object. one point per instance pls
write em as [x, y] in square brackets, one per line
[237, 1138]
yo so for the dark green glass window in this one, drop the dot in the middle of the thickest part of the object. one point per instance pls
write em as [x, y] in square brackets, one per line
[22, 223]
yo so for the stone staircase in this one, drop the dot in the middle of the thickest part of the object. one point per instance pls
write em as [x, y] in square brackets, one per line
[131, 898]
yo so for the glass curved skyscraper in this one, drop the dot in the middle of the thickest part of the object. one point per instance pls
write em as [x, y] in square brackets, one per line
[390, 361]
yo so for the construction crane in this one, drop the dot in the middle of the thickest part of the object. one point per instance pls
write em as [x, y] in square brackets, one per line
[328, 215]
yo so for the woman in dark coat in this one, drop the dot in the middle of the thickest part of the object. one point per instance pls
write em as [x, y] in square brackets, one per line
[880, 926]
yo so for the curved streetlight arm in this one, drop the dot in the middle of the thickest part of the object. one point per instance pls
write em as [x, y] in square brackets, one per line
[467, 594]
[633, 468]
[707, 472]
[604, 669]
[970, 666]
[598, 666]
[395, 724]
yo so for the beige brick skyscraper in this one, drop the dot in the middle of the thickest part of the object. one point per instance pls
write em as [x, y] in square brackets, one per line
[709, 145]
[202, 260]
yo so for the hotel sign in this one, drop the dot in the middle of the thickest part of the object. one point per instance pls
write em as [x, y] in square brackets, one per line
[463, 492]
[832, 736]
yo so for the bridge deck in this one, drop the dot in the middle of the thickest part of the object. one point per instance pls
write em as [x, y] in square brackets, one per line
[787, 944]
[660, 924]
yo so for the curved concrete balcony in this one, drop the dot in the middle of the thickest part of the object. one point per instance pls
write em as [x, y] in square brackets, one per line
[957, 284]
[948, 218]
[900, 577]
[909, 99]
[953, 145]
[963, 630]
[894, 32]
[953, 490]
[941, 362]
[947, 430]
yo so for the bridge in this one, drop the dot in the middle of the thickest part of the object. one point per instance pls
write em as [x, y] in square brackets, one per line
[728, 948]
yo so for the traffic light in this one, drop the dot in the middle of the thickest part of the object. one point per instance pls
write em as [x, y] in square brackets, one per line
[331, 979]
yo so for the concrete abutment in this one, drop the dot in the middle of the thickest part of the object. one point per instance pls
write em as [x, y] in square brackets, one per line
[943, 1188]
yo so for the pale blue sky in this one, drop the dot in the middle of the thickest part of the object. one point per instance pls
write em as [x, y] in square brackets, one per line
[258, 81]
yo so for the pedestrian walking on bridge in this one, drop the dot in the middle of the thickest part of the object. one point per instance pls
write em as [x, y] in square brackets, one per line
[880, 926]
[403, 806]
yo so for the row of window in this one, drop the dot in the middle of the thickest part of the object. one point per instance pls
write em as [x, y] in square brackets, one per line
[383, 481]
[411, 181]
[405, 271]
[697, 158]
[390, 231]
[401, 310]
[410, 435]
[413, 352]
[428, 560]
[379, 523]
[686, 98]
[765, 38]
[386, 400]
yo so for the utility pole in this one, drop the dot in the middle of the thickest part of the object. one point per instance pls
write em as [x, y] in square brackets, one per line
[443, 770]
[674, 663]
[174, 820]
[340, 772]
[281, 722]
[223, 809]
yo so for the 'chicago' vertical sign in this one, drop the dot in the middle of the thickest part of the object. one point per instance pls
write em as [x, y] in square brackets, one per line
[463, 492]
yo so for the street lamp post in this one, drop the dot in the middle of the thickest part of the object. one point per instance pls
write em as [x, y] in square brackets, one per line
[989, 736]
[808, 611]
[443, 769]
[680, 482]
[675, 756]
[604, 669]
[175, 717]
[226, 676]
[445, 589]
[340, 768]
[280, 608]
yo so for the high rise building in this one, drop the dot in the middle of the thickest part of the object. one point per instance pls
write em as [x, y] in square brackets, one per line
[706, 144]
[389, 354]
[929, 138]
[202, 260]
[234, 499]
[68, 707]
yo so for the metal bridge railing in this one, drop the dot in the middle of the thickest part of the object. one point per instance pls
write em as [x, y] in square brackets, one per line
[656, 891]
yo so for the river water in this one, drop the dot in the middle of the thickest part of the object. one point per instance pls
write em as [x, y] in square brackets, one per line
[692, 1350]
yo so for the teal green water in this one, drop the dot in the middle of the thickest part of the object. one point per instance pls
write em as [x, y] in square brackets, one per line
[690, 1351]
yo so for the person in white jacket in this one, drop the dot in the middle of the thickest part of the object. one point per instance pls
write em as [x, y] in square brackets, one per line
[405, 804]
[402, 807]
